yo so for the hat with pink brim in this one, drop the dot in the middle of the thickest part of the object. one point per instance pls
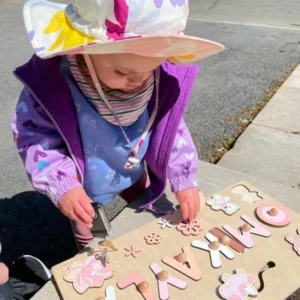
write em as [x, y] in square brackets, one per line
[151, 28]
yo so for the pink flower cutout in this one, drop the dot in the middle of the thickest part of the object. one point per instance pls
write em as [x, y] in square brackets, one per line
[153, 238]
[87, 274]
[132, 250]
[189, 228]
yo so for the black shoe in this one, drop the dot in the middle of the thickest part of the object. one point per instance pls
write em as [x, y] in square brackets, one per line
[27, 275]
[30, 269]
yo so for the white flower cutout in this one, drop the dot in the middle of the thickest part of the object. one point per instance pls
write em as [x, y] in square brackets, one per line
[223, 203]
[165, 223]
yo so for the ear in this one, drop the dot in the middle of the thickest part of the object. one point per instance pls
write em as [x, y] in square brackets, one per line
[225, 277]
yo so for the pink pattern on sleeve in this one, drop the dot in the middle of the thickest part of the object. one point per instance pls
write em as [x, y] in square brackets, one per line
[183, 162]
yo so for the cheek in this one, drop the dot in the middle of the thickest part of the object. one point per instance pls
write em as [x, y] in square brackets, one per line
[113, 81]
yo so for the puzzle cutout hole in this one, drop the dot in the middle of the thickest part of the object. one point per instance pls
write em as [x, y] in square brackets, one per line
[247, 195]
[269, 265]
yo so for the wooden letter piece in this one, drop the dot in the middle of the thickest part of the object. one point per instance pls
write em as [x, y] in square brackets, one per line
[163, 279]
[274, 214]
[139, 282]
[233, 244]
[245, 238]
[189, 267]
[110, 294]
[215, 249]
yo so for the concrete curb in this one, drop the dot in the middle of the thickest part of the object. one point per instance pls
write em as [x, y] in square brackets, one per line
[270, 146]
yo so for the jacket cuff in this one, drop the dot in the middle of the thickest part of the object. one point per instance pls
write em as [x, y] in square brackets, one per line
[58, 188]
[183, 182]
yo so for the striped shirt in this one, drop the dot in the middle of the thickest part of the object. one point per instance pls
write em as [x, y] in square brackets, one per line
[128, 106]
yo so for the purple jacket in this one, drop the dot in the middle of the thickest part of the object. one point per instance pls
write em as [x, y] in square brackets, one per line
[44, 82]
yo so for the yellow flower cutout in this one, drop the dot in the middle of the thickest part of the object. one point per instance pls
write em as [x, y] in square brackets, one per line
[69, 36]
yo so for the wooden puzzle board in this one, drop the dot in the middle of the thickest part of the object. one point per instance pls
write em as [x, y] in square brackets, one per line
[280, 282]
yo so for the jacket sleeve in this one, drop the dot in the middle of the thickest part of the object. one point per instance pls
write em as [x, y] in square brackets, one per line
[51, 171]
[183, 162]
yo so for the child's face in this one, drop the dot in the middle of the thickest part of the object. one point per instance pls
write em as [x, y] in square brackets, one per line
[124, 71]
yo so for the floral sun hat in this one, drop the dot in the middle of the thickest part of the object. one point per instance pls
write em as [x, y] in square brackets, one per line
[144, 27]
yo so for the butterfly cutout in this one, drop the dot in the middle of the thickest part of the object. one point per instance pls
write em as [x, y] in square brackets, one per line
[247, 195]
[295, 240]
[223, 203]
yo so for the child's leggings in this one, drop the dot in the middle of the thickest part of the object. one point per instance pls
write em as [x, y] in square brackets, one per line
[83, 235]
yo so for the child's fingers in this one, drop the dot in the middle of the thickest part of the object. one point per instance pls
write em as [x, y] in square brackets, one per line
[191, 207]
[82, 216]
[185, 211]
[197, 207]
[86, 205]
[202, 199]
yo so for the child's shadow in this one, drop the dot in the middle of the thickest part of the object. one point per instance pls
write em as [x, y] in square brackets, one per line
[30, 224]
[118, 204]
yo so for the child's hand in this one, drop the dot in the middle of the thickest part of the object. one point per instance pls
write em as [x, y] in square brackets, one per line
[76, 205]
[3, 273]
[190, 201]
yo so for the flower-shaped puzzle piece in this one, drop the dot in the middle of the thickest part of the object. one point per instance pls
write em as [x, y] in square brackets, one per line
[153, 238]
[223, 203]
[238, 286]
[165, 223]
[189, 228]
[132, 251]
[87, 274]
[295, 240]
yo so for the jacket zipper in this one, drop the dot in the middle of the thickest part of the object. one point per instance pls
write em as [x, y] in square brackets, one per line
[55, 125]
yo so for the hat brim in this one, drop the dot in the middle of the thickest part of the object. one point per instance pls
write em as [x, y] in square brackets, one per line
[51, 34]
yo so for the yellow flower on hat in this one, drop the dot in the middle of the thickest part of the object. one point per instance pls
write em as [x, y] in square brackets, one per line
[69, 36]
[178, 59]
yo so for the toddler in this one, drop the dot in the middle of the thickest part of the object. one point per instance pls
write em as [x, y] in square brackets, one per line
[103, 97]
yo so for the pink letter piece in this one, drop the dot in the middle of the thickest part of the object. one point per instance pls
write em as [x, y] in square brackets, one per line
[136, 279]
[238, 286]
[163, 285]
[283, 217]
[245, 238]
